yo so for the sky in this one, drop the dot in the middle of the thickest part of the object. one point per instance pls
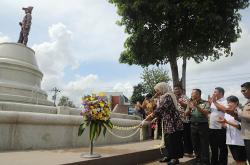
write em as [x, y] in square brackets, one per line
[78, 44]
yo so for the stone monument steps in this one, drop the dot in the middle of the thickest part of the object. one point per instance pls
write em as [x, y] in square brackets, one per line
[22, 107]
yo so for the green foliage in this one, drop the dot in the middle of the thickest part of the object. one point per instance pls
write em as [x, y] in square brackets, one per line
[150, 77]
[95, 128]
[162, 31]
[138, 93]
[153, 76]
[64, 101]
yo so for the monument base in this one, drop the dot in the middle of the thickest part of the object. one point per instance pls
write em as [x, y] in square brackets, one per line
[88, 155]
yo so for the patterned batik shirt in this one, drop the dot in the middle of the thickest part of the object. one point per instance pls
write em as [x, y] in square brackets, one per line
[169, 114]
[184, 118]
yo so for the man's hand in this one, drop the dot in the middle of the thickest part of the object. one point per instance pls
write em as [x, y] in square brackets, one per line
[182, 102]
[193, 104]
[222, 120]
[214, 98]
[209, 99]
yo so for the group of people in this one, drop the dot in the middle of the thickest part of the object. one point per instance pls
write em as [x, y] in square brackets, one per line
[206, 128]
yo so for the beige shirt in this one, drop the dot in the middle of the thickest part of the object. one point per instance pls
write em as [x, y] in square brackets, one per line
[245, 121]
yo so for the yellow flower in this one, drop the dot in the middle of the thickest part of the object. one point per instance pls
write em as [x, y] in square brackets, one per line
[94, 111]
[101, 94]
[102, 104]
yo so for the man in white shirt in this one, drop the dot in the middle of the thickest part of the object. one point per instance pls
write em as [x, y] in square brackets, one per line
[217, 133]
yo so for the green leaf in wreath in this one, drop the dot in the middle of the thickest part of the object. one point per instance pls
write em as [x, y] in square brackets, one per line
[93, 129]
[81, 129]
[99, 129]
[110, 124]
[104, 130]
[88, 123]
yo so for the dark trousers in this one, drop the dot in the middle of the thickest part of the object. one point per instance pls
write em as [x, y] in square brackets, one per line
[200, 140]
[173, 145]
[217, 139]
[187, 141]
[247, 145]
[165, 151]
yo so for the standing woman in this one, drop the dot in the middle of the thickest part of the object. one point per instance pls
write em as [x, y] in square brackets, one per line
[167, 110]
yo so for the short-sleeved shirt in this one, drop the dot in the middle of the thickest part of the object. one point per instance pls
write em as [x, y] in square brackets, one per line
[233, 134]
[197, 116]
[216, 114]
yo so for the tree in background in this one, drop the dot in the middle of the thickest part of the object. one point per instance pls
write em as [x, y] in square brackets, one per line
[138, 93]
[163, 31]
[150, 77]
[64, 101]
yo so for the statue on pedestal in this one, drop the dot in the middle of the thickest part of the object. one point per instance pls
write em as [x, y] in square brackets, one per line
[25, 25]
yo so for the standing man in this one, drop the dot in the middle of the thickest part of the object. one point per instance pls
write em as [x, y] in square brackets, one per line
[25, 25]
[182, 105]
[199, 110]
[245, 118]
[217, 131]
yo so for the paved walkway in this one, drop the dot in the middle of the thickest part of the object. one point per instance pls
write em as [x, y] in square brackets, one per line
[67, 156]
[146, 150]
[184, 160]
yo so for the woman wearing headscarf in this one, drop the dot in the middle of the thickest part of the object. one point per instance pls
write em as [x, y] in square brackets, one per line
[167, 110]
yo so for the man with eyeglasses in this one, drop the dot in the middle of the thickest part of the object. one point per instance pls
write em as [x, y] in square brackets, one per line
[245, 118]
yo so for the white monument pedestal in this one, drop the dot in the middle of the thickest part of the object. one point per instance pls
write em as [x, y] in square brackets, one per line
[20, 77]
[29, 121]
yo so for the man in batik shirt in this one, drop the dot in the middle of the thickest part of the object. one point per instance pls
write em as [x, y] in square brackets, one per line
[182, 105]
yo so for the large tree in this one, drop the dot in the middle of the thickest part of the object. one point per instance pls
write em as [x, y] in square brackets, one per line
[162, 31]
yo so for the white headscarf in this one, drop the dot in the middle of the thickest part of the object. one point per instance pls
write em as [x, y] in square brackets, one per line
[165, 89]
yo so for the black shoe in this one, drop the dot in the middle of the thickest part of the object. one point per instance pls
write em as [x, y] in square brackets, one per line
[173, 162]
[164, 159]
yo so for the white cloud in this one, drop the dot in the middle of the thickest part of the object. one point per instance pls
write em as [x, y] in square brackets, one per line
[54, 56]
[4, 38]
[126, 88]
[75, 89]
[236, 64]
[91, 83]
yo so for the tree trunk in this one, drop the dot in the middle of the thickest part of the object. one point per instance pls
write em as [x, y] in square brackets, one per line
[183, 77]
[174, 70]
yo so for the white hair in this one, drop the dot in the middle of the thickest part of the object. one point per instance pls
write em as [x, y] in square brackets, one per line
[165, 89]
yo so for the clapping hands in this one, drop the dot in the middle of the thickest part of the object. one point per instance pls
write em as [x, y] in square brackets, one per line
[192, 104]
[212, 99]
[222, 120]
